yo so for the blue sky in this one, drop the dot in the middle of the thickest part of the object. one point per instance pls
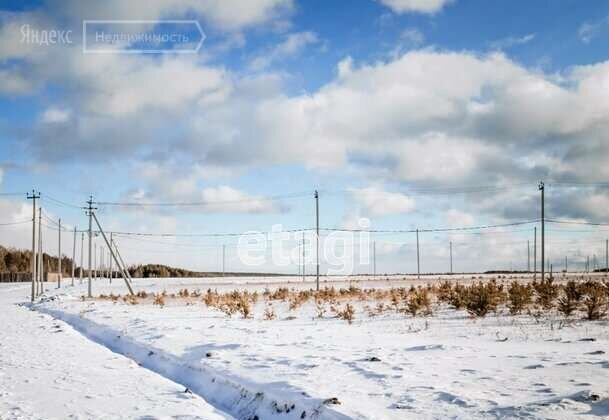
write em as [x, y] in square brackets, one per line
[380, 105]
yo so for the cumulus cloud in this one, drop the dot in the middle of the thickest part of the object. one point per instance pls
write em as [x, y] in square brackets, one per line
[377, 202]
[230, 15]
[292, 45]
[166, 183]
[418, 6]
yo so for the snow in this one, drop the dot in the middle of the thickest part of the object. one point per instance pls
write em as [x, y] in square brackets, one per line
[50, 371]
[380, 367]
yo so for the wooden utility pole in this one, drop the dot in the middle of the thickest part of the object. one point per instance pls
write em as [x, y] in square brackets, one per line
[374, 260]
[89, 213]
[82, 253]
[543, 245]
[451, 257]
[418, 258]
[317, 235]
[535, 253]
[59, 255]
[73, 255]
[40, 287]
[111, 268]
[606, 255]
[33, 197]
[116, 255]
[528, 256]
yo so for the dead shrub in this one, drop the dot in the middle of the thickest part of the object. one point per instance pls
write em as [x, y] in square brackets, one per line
[570, 301]
[520, 296]
[159, 299]
[482, 298]
[269, 314]
[546, 292]
[418, 301]
[348, 313]
[594, 300]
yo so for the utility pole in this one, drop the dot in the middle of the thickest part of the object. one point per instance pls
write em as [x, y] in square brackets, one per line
[317, 234]
[543, 245]
[566, 265]
[73, 255]
[90, 214]
[40, 255]
[606, 255]
[95, 261]
[33, 197]
[451, 257]
[374, 260]
[111, 268]
[535, 254]
[59, 255]
[304, 263]
[82, 253]
[418, 258]
[528, 256]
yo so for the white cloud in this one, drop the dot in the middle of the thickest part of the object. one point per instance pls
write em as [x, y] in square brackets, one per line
[55, 115]
[412, 36]
[377, 202]
[228, 15]
[590, 30]
[511, 41]
[418, 6]
[168, 183]
[456, 217]
[291, 46]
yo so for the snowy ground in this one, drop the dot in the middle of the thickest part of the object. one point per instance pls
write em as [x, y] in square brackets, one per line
[50, 371]
[385, 366]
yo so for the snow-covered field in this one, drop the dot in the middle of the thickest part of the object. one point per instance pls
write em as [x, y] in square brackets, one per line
[388, 365]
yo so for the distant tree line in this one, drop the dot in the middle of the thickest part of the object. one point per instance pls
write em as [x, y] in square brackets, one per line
[18, 261]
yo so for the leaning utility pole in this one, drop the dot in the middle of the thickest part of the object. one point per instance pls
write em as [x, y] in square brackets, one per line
[535, 253]
[418, 258]
[33, 197]
[317, 234]
[116, 255]
[543, 245]
[73, 255]
[89, 213]
[59, 255]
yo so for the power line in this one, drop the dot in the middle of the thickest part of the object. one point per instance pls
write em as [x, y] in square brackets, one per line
[452, 229]
[204, 203]
[16, 223]
[572, 222]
